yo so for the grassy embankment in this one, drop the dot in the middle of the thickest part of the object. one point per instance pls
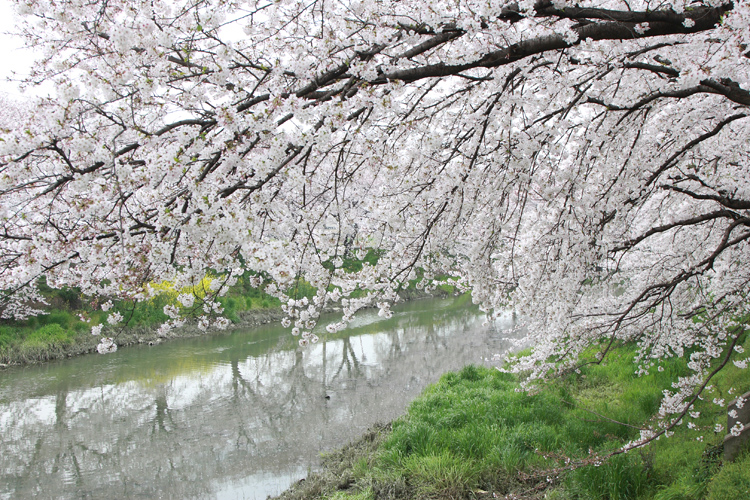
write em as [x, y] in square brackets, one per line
[65, 331]
[473, 435]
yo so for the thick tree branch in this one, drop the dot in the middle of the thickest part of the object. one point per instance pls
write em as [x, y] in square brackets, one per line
[660, 25]
[654, 68]
[719, 214]
[726, 201]
[729, 89]
[546, 8]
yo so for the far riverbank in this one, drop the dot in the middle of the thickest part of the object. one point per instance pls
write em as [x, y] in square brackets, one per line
[53, 345]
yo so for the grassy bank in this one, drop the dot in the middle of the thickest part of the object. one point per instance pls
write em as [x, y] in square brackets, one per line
[474, 435]
[64, 335]
[66, 330]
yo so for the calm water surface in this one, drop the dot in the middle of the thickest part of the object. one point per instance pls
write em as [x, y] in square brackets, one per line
[235, 416]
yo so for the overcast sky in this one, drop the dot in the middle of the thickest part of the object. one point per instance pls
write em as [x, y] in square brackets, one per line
[13, 57]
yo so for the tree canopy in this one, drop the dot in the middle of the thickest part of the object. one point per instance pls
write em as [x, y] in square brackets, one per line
[585, 164]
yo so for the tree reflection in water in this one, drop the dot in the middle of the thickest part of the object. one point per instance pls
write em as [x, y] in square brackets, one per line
[227, 416]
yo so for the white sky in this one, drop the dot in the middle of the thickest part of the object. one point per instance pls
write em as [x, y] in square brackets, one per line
[15, 62]
[14, 58]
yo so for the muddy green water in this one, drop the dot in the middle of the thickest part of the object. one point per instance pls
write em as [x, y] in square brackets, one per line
[234, 416]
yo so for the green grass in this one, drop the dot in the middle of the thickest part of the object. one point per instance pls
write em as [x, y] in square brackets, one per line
[50, 334]
[474, 433]
[47, 336]
[622, 477]
[27, 341]
[343, 495]
[36, 344]
[732, 481]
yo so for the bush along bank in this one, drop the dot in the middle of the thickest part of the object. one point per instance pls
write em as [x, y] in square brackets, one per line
[476, 435]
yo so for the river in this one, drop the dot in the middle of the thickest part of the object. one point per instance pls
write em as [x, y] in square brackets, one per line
[228, 416]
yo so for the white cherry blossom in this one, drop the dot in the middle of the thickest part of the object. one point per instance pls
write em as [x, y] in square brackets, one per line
[584, 164]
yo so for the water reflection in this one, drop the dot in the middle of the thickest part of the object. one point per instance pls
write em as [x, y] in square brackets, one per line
[233, 416]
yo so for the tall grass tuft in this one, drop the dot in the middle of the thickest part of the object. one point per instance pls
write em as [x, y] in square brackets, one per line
[622, 477]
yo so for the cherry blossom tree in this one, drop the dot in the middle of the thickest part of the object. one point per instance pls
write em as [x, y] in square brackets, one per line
[585, 164]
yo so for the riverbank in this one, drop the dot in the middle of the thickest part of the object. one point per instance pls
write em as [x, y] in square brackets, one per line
[54, 341]
[85, 343]
[475, 435]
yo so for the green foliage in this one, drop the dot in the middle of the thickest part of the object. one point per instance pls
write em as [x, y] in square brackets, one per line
[732, 481]
[301, 289]
[445, 474]
[448, 289]
[474, 430]
[33, 344]
[60, 298]
[345, 495]
[52, 334]
[8, 336]
[469, 427]
[150, 312]
[351, 264]
[622, 477]
[28, 344]
[64, 318]
[234, 304]
[31, 340]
